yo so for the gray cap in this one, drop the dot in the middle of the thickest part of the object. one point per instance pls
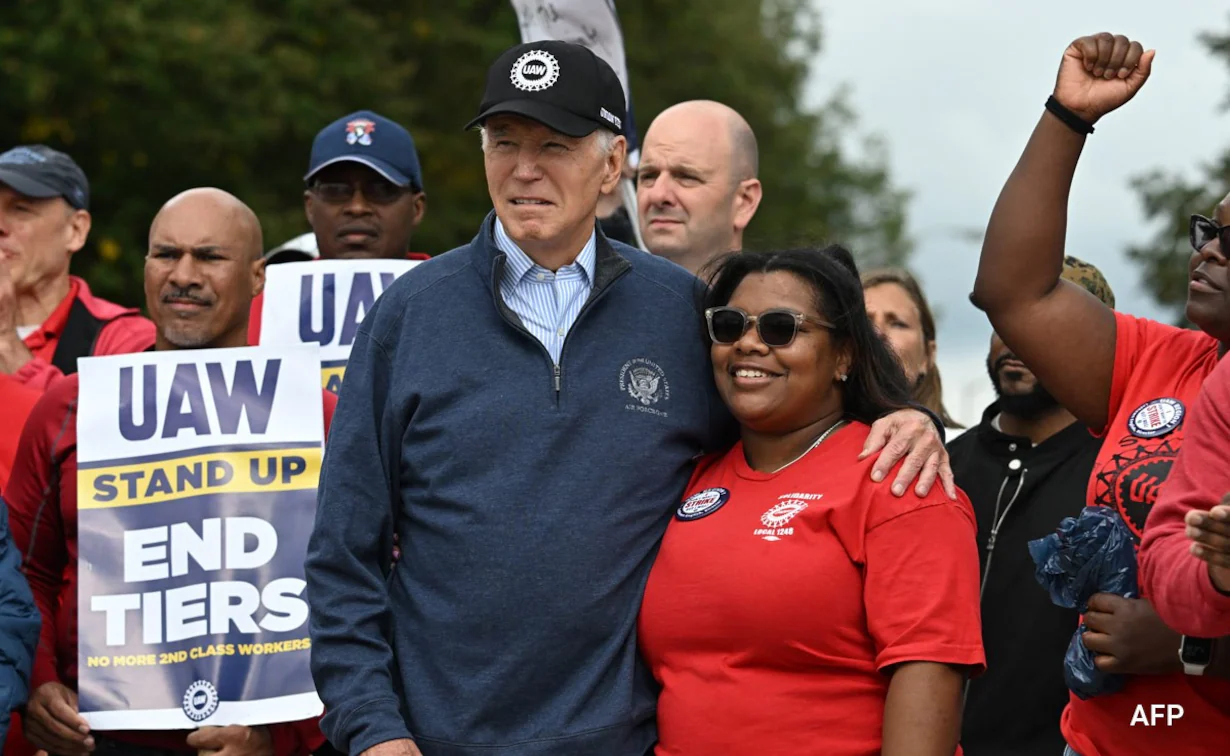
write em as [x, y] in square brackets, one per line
[38, 171]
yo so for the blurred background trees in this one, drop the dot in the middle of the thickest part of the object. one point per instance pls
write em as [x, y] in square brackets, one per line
[152, 97]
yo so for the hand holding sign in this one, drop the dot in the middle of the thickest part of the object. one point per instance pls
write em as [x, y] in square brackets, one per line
[234, 740]
[1101, 72]
[53, 724]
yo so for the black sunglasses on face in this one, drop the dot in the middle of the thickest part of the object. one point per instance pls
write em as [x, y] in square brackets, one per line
[1204, 230]
[777, 328]
[377, 191]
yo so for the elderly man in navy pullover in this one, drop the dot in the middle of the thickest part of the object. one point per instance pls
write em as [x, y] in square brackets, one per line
[523, 412]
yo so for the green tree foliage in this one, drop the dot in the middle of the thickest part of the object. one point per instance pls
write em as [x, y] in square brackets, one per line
[1169, 198]
[156, 96]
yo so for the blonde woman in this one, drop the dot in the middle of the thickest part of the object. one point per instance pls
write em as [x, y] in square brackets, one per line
[899, 311]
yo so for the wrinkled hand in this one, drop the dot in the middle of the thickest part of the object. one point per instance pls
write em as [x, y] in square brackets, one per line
[1099, 73]
[1209, 533]
[52, 723]
[232, 740]
[911, 432]
[1129, 638]
[402, 747]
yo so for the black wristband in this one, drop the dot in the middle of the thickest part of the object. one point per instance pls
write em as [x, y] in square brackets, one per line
[1070, 119]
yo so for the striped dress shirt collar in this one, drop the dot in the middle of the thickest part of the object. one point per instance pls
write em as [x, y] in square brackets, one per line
[519, 263]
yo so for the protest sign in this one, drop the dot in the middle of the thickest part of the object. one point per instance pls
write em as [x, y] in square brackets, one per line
[196, 495]
[322, 302]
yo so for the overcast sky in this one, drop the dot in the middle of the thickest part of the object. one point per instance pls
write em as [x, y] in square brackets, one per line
[955, 87]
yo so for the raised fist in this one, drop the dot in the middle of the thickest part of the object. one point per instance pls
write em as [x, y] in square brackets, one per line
[1101, 72]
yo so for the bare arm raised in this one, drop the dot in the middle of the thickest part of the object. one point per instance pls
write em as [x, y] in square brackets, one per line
[1065, 334]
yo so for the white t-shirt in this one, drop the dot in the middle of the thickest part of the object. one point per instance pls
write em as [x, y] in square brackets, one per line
[24, 331]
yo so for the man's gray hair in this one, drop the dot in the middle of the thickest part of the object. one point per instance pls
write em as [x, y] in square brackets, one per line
[605, 141]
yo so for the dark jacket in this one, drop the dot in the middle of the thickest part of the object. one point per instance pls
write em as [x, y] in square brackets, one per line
[529, 500]
[19, 626]
[1019, 493]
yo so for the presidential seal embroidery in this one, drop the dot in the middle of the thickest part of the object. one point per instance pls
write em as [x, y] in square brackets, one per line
[702, 504]
[644, 381]
[1156, 418]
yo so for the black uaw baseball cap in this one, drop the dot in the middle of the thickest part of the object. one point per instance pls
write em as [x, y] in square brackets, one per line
[562, 85]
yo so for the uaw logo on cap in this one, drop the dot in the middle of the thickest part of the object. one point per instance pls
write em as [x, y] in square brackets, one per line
[535, 71]
[702, 504]
[200, 701]
[1156, 418]
[360, 132]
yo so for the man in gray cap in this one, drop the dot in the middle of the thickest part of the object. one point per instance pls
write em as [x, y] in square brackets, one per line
[49, 318]
[524, 412]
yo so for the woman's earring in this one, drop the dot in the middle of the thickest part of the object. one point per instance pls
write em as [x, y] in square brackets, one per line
[842, 377]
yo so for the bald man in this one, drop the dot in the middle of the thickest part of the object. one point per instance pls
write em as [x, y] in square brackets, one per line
[202, 270]
[696, 183]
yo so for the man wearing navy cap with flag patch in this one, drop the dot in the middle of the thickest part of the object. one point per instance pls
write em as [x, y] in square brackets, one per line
[364, 196]
[484, 389]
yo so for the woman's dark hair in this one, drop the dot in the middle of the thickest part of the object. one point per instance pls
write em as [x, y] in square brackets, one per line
[877, 384]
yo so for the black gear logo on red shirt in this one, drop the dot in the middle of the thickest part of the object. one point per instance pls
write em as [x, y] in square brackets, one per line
[1131, 479]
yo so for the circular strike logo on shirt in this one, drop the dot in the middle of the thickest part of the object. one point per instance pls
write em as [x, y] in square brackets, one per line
[702, 504]
[1156, 418]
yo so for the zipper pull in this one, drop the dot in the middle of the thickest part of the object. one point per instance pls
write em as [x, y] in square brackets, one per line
[557, 381]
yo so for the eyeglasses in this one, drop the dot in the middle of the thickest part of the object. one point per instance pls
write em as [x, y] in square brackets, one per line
[777, 328]
[1204, 230]
[378, 191]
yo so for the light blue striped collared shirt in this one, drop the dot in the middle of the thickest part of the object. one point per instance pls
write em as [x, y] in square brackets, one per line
[548, 303]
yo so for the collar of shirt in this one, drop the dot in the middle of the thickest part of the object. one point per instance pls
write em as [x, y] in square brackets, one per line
[520, 265]
[42, 340]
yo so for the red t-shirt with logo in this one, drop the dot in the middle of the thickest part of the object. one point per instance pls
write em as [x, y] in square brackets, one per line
[778, 601]
[1159, 370]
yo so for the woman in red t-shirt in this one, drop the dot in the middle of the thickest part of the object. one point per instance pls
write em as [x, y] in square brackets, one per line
[1130, 380]
[797, 607]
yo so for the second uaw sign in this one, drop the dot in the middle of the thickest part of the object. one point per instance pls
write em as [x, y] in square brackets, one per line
[323, 302]
[196, 495]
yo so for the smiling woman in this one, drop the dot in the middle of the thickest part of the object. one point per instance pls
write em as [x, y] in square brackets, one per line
[802, 369]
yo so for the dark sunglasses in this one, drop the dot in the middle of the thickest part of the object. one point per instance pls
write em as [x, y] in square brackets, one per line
[1204, 230]
[378, 191]
[777, 328]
